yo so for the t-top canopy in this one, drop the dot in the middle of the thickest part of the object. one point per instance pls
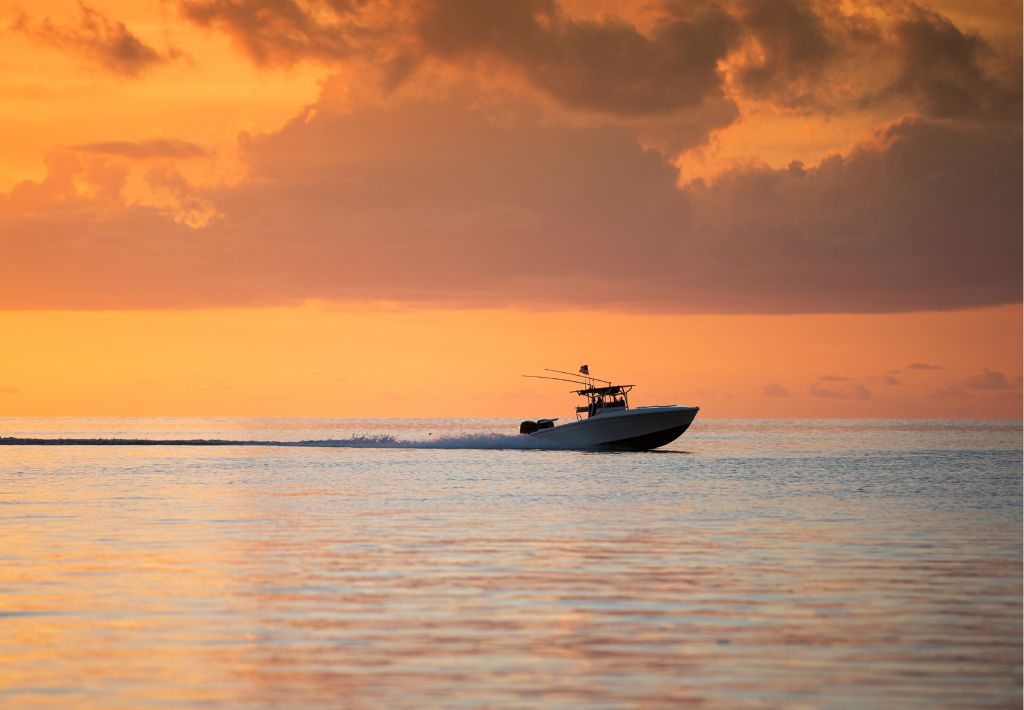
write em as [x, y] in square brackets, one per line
[604, 391]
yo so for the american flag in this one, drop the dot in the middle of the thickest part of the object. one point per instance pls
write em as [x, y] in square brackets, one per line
[585, 370]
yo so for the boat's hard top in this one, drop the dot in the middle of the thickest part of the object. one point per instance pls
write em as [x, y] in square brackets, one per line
[605, 391]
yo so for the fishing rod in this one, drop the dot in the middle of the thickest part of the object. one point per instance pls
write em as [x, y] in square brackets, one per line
[560, 379]
[563, 372]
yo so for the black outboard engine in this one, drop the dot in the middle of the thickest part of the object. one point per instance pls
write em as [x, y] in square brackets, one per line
[529, 427]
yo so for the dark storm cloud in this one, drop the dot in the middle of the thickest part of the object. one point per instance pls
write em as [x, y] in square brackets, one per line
[403, 202]
[803, 55]
[280, 31]
[143, 150]
[606, 65]
[941, 68]
[603, 65]
[928, 199]
[807, 47]
[800, 54]
[101, 40]
[929, 217]
[795, 44]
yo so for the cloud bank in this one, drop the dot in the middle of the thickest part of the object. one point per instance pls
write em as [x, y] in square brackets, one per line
[454, 182]
[430, 201]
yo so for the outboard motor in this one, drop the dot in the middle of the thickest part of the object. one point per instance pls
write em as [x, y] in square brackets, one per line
[528, 427]
[545, 423]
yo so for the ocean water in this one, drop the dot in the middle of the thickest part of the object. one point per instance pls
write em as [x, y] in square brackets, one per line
[438, 563]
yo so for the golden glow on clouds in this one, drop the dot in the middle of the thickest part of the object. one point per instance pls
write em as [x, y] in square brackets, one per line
[51, 99]
[773, 138]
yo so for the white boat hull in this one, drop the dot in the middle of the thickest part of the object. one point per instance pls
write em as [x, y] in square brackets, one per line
[640, 429]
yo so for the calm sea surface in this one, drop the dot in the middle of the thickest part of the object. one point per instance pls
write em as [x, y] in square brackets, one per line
[834, 564]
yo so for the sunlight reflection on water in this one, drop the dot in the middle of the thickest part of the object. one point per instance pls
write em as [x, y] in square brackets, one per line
[777, 563]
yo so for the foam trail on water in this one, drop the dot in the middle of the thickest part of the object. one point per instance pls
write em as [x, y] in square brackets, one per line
[374, 441]
[458, 441]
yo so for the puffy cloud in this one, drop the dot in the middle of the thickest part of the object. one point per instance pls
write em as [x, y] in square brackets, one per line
[941, 68]
[912, 219]
[949, 392]
[101, 40]
[795, 43]
[774, 390]
[604, 65]
[430, 201]
[988, 380]
[286, 31]
[985, 381]
[799, 54]
[821, 56]
[855, 392]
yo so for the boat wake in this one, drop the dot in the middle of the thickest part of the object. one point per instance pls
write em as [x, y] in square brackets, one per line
[372, 441]
[455, 441]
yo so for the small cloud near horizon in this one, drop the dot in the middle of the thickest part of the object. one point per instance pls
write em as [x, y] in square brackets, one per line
[949, 392]
[774, 390]
[988, 380]
[833, 378]
[922, 366]
[859, 392]
[892, 380]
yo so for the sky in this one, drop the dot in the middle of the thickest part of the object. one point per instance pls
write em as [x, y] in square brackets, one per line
[766, 208]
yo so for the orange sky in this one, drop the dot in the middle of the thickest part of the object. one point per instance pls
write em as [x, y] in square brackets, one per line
[319, 360]
[763, 208]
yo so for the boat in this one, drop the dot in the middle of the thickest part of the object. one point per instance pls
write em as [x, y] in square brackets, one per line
[606, 421]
